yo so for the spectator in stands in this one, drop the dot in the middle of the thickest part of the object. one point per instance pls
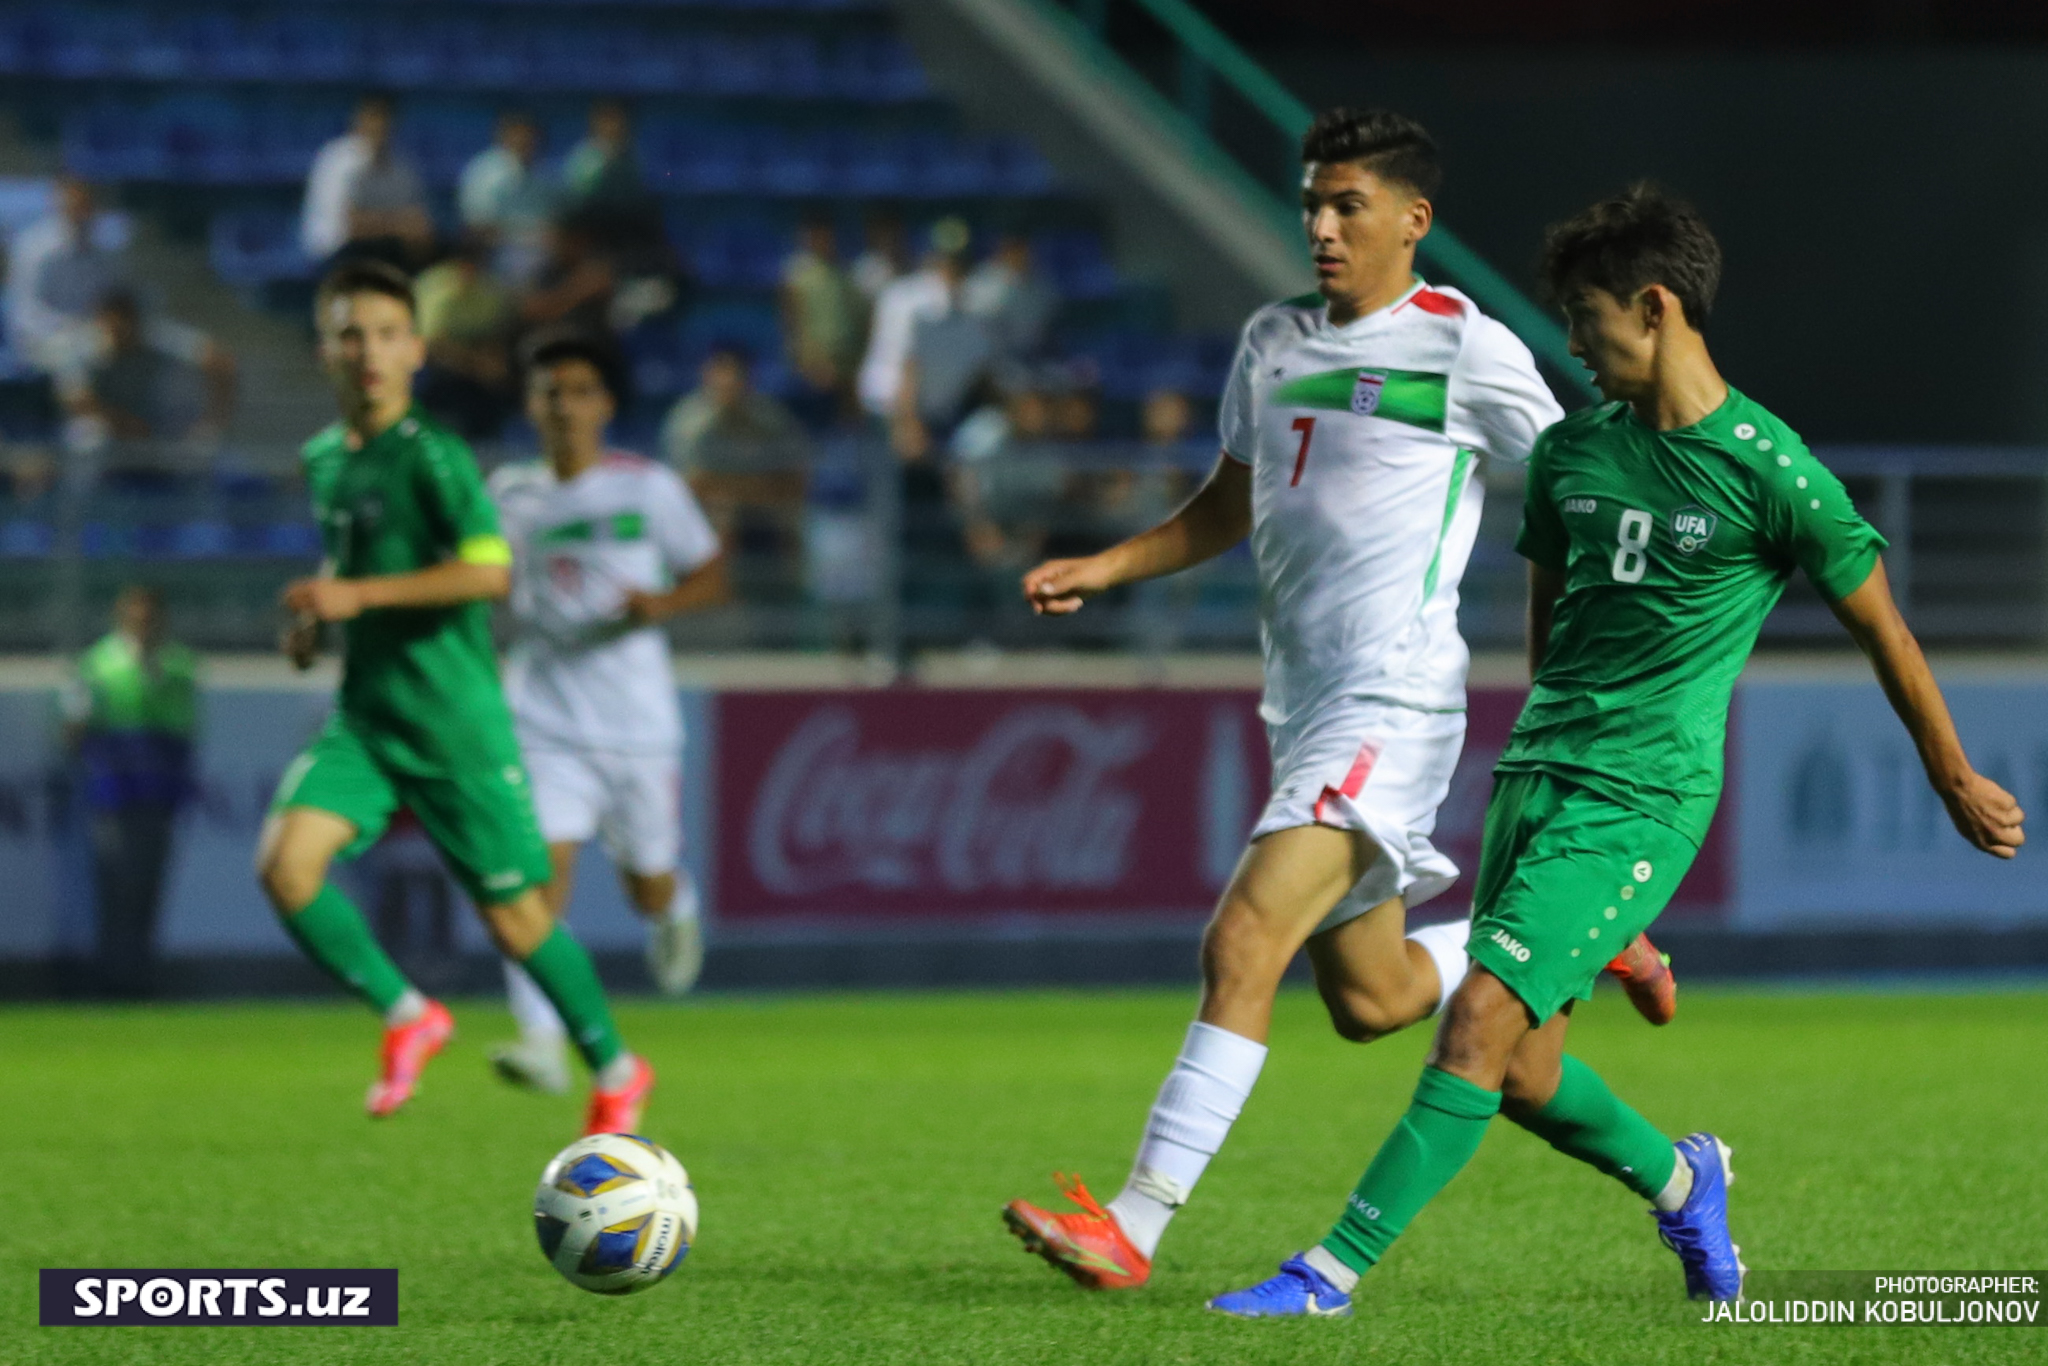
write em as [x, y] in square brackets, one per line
[885, 257]
[364, 197]
[904, 302]
[745, 456]
[1008, 485]
[603, 186]
[823, 316]
[146, 385]
[576, 284]
[1166, 421]
[130, 712]
[603, 171]
[466, 317]
[1076, 404]
[59, 268]
[1013, 296]
[507, 199]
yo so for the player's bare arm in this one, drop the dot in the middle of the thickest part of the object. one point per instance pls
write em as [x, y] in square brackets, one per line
[1984, 813]
[710, 585]
[1211, 522]
[444, 585]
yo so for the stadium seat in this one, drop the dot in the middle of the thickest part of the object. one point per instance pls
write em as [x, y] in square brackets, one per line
[736, 254]
[747, 104]
[21, 539]
[251, 248]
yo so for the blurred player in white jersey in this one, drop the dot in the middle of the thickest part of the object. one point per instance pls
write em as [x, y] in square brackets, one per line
[1353, 424]
[605, 546]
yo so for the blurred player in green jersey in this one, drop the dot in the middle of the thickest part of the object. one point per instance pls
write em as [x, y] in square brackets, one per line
[1660, 529]
[414, 559]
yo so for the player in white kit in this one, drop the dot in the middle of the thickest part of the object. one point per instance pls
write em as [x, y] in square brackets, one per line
[1354, 424]
[605, 546]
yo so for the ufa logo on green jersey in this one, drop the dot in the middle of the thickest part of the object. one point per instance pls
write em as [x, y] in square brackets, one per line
[1365, 393]
[1692, 526]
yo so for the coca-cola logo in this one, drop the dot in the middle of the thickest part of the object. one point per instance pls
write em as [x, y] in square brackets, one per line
[1033, 803]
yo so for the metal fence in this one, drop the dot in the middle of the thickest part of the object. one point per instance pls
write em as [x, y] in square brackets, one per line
[888, 559]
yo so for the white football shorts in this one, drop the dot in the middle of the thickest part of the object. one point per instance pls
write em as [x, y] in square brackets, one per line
[634, 802]
[1359, 764]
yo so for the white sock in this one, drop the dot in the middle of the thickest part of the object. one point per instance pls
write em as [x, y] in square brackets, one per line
[1445, 945]
[1676, 1190]
[1332, 1270]
[1199, 1101]
[616, 1073]
[531, 1008]
[405, 1009]
[684, 905]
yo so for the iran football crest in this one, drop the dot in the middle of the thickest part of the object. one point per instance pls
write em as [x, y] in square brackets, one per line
[1365, 393]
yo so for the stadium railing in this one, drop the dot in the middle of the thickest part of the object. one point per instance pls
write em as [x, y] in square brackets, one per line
[1261, 129]
[889, 560]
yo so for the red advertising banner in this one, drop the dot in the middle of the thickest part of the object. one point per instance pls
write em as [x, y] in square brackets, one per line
[918, 804]
[931, 805]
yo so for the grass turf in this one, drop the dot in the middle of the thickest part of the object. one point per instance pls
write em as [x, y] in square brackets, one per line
[851, 1154]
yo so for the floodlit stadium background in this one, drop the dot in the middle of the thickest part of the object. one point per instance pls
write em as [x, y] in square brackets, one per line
[856, 808]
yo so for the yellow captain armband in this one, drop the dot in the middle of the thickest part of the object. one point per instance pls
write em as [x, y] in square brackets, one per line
[484, 550]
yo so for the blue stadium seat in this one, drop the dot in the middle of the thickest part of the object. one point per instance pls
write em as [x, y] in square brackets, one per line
[251, 248]
[293, 540]
[875, 166]
[796, 164]
[21, 539]
[314, 47]
[212, 93]
[736, 254]
[1074, 260]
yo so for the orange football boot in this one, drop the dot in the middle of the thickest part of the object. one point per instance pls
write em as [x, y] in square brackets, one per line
[1088, 1245]
[1645, 975]
[618, 1111]
[407, 1048]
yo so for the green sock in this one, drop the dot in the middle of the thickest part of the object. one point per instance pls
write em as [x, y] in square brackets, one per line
[1587, 1121]
[1431, 1144]
[564, 972]
[332, 932]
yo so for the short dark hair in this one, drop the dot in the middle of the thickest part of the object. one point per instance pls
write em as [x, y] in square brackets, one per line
[553, 348]
[365, 276]
[733, 349]
[1392, 146]
[122, 300]
[1641, 237]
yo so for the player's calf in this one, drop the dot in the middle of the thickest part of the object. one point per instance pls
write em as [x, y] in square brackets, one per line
[1374, 981]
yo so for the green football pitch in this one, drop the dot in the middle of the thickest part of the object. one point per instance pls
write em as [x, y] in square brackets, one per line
[851, 1153]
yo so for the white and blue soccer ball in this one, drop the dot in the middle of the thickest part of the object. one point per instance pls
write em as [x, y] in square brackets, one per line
[615, 1213]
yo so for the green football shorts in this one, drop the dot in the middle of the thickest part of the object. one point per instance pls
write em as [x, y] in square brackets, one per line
[1567, 879]
[480, 819]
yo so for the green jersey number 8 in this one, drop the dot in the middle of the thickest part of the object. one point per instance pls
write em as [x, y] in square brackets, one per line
[1630, 560]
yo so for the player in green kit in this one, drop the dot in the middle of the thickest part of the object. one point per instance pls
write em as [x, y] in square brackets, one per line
[1660, 530]
[414, 560]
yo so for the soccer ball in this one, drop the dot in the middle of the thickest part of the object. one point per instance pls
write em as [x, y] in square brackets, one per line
[615, 1213]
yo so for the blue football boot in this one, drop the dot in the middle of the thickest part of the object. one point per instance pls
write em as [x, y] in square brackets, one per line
[1299, 1291]
[1698, 1230]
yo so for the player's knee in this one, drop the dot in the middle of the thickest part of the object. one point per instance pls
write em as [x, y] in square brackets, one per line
[1360, 1018]
[288, 879]
[519, 926]
[1239, 950]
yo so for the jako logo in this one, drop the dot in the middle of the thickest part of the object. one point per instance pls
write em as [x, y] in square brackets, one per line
[1513, 945]
[1369, 1211]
